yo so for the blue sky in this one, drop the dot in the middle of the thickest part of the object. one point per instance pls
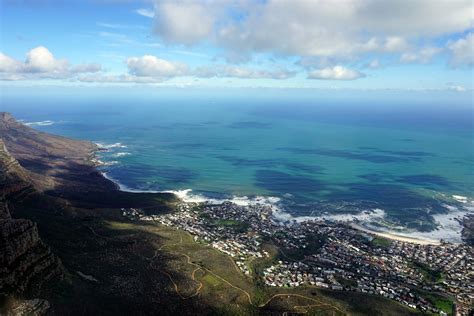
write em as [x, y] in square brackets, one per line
[349, 44]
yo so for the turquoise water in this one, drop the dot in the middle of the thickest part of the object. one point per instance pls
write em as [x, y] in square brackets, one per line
[318, 157]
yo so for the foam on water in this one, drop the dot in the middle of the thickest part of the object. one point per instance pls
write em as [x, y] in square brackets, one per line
[449, 225]
[40, 123]
[123, 187]
[110, 146]
[121, 154]
[189, 197]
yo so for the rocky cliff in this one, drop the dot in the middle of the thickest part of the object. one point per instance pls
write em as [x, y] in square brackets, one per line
[25, 261]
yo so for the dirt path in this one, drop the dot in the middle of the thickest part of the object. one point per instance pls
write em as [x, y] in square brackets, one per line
[304, 308]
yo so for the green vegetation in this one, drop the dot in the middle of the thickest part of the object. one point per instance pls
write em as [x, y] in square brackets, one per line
[151, 203]
[346, 282]
[234, 224]
[166, 263]
[315, 242]
[444, 303]
[381, 242]
[429, 275]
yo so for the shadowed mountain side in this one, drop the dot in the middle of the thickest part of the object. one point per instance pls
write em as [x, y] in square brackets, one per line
[26, 263]
[107, 267]
[110, 269]
[52, 162]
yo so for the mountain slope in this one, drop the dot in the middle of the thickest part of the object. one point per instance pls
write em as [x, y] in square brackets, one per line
[53, 163]
[25, 261]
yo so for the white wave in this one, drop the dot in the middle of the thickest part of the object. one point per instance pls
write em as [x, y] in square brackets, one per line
[188, 197]
[122, 154]
[109, 163]
[448, 225]
[460, 198]
[110, 146]
[40, 123]
[376, 214]
[364, 216]
[123, 187]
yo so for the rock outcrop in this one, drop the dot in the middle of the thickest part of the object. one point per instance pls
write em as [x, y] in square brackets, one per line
[25, 261]
[35, 307]
[14, 179]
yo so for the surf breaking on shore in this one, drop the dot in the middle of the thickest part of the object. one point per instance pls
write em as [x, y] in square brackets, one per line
[449, 226]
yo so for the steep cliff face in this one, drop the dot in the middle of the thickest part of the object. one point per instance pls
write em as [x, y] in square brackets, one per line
[25, 261]
[14, 180]
[52, 163]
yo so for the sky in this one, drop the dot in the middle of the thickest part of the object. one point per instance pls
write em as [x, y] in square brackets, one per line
[425, 45]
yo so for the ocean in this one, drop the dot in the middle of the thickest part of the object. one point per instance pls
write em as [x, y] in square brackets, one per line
[397, 165]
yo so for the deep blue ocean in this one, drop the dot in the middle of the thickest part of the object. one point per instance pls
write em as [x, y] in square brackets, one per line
[320, 156]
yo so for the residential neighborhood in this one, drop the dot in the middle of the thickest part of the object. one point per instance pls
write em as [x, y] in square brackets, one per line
[331, 254]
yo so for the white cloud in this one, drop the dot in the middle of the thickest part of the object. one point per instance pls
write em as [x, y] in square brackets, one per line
[462, 51]
[8, 64]
[395, 44]
[113, 78]
[241, 72]
[152, 66]
[310, 27]
[145, 12]
[335, 73]
[41, 60]
[424, 55]
[457, 88]
[110, 25]
[40, 63]
[374, 64]
[185, 21]
[86, 68]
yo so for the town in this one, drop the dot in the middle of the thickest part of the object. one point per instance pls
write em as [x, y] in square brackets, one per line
[331, 254]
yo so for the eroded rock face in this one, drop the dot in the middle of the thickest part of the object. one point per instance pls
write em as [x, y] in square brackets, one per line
[25, 261]
[35, 307]
[14, 180]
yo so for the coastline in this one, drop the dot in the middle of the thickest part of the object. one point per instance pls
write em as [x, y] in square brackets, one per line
[450, 227]
[280, 215]
[393, 236]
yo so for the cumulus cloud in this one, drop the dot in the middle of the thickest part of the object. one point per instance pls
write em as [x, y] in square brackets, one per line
[395, 44]
[40, 63]
[335, 73]
[41, 60]
[8, 64]
[310, 27]
[152, 66]
[424, 55]
[462, 51]
[185, 21]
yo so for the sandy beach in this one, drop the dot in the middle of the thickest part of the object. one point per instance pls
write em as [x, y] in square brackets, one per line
[395, 236]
